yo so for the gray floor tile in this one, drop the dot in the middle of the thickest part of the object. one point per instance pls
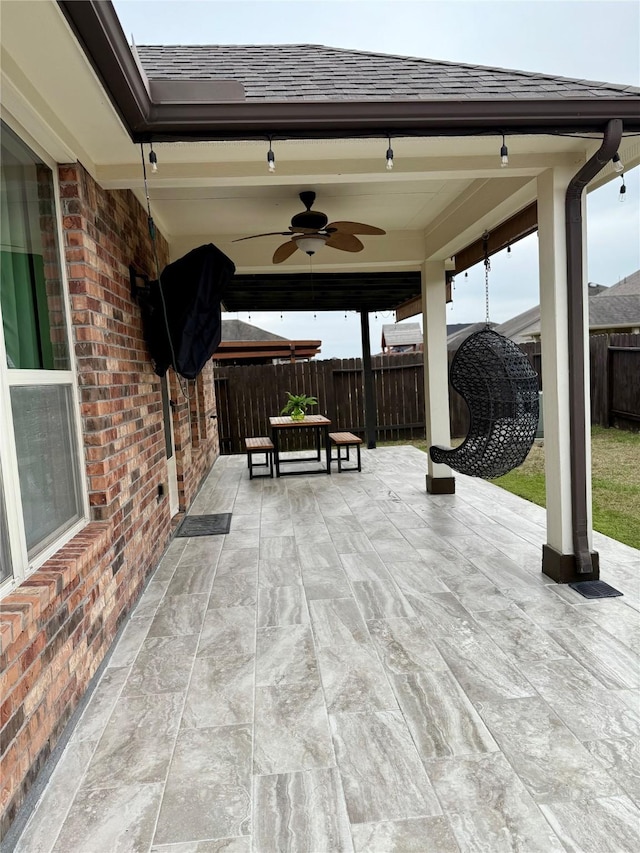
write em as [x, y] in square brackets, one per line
[483, 671]
[239, 844]
[220, 692]
[381, 772]
[365, 567]
[234, 590]
[279, 572]
[476, 593]
[415, 578]
[611, 662]
[440, 717]
[607, 825]
[178, 616]
[202, 550]
[291, 729]
[414, 835]
[237, 562]
[111, 820]
[163, 665]
[130, 642]
[228, 631]
[41, 831]
[285, 655]
[354, 680]
[404, 646]
[323, 554]
[549, 759]
[489, 807]
[219, 805]
[192, 579]
[301, 813]
[137, 742]
[278, 548]
[380, 600]
[591, 711]
[442, 614]
[337, 621]
[101, 704]
[282, 605]
[621, 758]
[518, 636]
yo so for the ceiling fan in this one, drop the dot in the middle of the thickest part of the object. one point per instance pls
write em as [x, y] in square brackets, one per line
[311, 229]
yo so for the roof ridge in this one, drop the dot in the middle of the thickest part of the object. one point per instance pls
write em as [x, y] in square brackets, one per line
[617, 87]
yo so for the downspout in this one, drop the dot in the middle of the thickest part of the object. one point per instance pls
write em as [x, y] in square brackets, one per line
[575, 292]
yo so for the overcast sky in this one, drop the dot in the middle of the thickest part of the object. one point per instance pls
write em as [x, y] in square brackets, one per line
[596, 40]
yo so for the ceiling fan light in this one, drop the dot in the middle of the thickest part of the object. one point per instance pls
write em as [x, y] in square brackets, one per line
[311, 243]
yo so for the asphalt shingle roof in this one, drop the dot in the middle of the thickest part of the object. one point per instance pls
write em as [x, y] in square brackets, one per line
[307, 72]
[627, 286]
[401, 334]
[236, 330]
[611, 310]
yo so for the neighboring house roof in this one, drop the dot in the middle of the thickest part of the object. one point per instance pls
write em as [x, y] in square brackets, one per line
[309, 72]
[612, 310]
[627, 286]
[454, 340]
[455, 327]
[243, 342]
[519, 328]
[236, 330]
[401, 334]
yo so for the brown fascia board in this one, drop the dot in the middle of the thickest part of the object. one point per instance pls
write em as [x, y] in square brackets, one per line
[98, 30]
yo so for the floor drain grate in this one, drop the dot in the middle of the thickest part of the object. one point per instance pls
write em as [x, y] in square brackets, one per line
[595, 589]
[205, 525]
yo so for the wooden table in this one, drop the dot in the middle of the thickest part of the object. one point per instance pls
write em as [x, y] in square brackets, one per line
[316, 422]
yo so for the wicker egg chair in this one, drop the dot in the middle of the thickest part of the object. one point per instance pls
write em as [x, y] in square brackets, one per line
[500, 388]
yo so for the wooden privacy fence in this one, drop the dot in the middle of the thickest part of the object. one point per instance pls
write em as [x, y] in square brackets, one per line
[615, 380]
[248, 395]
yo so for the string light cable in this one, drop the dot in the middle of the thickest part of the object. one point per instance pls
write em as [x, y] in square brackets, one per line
[154, 245]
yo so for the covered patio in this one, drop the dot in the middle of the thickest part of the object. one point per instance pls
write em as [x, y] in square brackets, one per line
[358, 665]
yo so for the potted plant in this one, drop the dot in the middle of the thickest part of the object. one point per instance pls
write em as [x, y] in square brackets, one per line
[297, 405]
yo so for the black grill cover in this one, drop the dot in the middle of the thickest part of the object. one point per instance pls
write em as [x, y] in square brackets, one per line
[192, 287]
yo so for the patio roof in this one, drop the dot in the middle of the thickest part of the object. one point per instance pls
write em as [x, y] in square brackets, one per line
[320, 291]
[311, 72]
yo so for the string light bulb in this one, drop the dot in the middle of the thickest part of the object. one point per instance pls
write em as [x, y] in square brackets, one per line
[508, 251]
[618, 165]
[271, 159]
[504, 154]
[389, 156]
[623, 189]
[153, 160]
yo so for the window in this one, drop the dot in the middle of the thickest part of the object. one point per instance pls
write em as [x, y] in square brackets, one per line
[42, 497]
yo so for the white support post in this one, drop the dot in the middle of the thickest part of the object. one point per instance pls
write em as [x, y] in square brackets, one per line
[552, 186]
[436, 381]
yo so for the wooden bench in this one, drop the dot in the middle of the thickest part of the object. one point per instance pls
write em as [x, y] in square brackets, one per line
[346, 439]
[259, 444]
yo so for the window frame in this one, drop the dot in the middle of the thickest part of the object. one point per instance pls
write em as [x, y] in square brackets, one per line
[10, 377]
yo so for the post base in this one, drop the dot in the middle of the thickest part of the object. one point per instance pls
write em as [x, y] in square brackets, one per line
[441, 485]
[562, 567]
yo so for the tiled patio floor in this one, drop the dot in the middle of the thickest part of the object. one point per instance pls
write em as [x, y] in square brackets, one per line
[360, 666]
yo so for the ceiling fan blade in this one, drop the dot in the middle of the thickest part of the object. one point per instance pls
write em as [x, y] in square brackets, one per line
[269, 234]
[346, 242]
[354, 228]
[304, 230]
[283, 252]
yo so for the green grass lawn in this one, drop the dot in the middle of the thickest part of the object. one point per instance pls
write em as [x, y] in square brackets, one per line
[615, 462]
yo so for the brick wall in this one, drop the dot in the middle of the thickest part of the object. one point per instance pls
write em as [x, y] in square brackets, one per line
[58, 625]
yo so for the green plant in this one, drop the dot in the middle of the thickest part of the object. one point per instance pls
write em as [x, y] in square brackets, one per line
[297, 405]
